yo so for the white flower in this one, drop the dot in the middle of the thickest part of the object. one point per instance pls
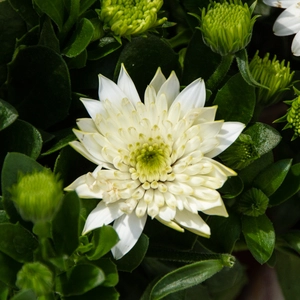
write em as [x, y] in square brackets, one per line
[288, 21]
[154, 158]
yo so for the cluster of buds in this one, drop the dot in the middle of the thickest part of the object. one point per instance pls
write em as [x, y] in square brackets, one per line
[130, 17]
[276, 76]
[227, 27]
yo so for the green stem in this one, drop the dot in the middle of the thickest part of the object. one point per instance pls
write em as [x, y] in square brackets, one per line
[216, 78]
[182, 38]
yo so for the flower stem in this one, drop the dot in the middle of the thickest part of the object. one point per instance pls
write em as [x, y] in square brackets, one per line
[216, 78]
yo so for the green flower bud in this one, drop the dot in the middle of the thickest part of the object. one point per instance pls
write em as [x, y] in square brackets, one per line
[227, 27]
[130, 17]
[37, 196]
[241, 153]
[253, 203]
[35, 276]
[292, 117]
[273, 74]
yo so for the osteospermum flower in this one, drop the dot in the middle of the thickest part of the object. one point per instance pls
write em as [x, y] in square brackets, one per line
[288, 21]
[154, 158]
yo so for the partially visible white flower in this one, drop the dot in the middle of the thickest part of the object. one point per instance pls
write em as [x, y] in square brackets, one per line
[288, 21]
[154, 158]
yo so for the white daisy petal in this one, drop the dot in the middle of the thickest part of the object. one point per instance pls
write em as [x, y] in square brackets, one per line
[93, 107]
[158, 80]
[280, 3]
[102, 215]
[296, 45]
[129, 228]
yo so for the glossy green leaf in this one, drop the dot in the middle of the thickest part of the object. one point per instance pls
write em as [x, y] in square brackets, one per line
[80, 38]
[8, 114]
[110, 271]
[270, 179]
[9, 269]
[85, 5]
[17, 242]
[236, 100]
[14, 164]
[48, 37]
[25, 9]
[134, 257]
[65, 225]
[106, 46]
[104, 238]
[79, 280]
[61, 144]
[105, 293]
[4, 291]
[21, 137]
[25, 295]
[232, 187]
[185, 277]
[289, 187]
[39, 101]
[293, 240]
[265, 137]
[260, 237]
[53, 8]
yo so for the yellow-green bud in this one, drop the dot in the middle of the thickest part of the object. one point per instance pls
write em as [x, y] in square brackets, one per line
[227, 27]
[273, 74]
[292, 117]
[253, 203]
[35, 276]
[130, 17]
[241, 153]
[37, 196]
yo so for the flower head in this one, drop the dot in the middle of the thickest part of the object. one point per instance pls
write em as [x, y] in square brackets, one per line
[129, 17]
[154, 158]
[227, 27]
[288, 21]
[37, 195]
[273, 74]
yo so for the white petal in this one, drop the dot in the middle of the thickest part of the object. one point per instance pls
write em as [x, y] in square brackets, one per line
[296, 45]
[102, 215]
[77, 182]
[108, 90]
[127, 86]
[93, 107]
[86, 125]
[228, 134]
[170, 88]
[280, 3]
[217, 211]
[192, 222]
[158, 80]
[193, 96]
[129, 228]
[288, 21]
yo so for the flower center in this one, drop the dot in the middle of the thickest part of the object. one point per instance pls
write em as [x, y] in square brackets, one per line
[150, 161]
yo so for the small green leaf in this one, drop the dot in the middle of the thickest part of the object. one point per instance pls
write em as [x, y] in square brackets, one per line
[236, 100]
[265, 137]
[185, 277]
[270, 179]
[85, 5]
[106, 46]
[53, 8]
[79, 280]
[289, 187]
[8, 114]
[48, 37]
[9, 269]
[104, 238]
[110, 271]
[17, 242]
[65, 225]
[61, 144]
[80, 39]
[260, 237]
[232, 187]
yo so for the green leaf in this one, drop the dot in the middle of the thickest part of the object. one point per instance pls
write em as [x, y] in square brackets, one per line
[289, 187]
[185, 277]
[14, 164]
[106, 293]
[9, 269]
[265, 137]
[260, 237]
[85, 5]
[232, 187]
[110, 271]
[65, 225]
[270, 179]
[293, 240]
[80, 38]
[61, 144]
[52, 8]
[4, 291]
[104, 238]
[48, 37]
[242, 62]
[8, 114]
[25, 9]
[106, 46]
[25, 295]
[134, 257]
[17, 242]
[39, 101]
[79, 280]
[236, 100]
[21, 137]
